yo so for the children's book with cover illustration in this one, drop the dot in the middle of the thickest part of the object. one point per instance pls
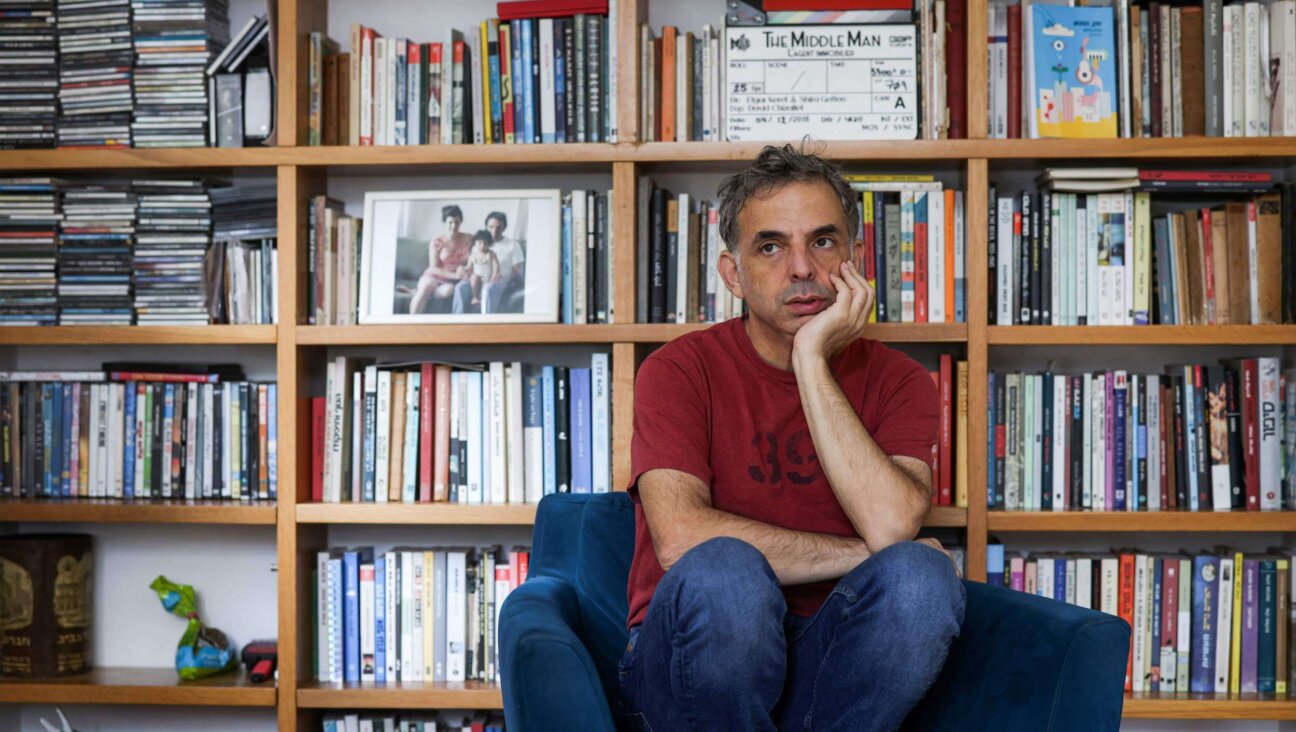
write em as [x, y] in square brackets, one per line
[1071, 67]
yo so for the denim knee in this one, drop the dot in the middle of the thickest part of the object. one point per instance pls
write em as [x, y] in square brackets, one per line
[727, 583]
[918, 582]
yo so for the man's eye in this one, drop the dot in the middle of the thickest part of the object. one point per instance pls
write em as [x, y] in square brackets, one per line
[768, 247]
[825, 242]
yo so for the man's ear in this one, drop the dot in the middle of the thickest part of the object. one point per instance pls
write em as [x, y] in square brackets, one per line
[728, 268]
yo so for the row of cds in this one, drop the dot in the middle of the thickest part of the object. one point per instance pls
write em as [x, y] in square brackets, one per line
[108, 73]
[79, 253]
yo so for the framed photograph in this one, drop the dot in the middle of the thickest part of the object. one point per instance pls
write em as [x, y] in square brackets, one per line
[461, 256]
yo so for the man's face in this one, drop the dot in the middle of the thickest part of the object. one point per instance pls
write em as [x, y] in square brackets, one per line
[789, 240]
[495, 227]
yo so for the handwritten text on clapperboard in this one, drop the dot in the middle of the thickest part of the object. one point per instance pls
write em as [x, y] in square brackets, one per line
[832, 82]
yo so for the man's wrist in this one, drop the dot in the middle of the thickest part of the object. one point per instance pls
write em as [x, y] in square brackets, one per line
[807, 358]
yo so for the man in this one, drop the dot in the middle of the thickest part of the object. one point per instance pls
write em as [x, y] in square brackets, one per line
[496, 294]
[780, 466]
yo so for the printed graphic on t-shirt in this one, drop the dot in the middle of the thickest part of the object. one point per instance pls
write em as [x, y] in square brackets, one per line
[802, 464]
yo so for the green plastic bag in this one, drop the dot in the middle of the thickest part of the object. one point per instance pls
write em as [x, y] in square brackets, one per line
[202, 651]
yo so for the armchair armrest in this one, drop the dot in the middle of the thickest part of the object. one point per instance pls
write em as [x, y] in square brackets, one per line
[1026, 662]
[549, 679]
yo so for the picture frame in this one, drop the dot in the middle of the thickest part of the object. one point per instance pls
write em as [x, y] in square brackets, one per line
[420, 265]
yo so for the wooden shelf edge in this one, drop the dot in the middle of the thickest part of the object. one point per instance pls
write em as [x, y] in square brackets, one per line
[437, 695]
[437, 514]
[102, 335]
[1200, 706]
[327, 335]
[1139, 335]
[138, 512]
[1142, 521]
[946, 516]
[140, 686]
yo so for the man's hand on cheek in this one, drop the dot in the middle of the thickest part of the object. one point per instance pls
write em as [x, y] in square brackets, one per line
[842, 322]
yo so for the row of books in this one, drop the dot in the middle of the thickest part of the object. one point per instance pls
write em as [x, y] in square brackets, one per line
[949, 454]
[1216, 623]
[1145, 70]
[1058, 257]
[679, 247]
[122, 433]
[430, 722]
[436, 432]
[1196, 438]
[412, 614]
[533, 75]
[117, 253]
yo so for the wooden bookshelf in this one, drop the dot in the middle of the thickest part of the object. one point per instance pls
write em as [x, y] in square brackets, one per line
[416, 514]
[112, 511]
[1141, 335]
[144, 335]
[1209, 706]
[335, 335]
[151, 686]
[432, 695]
[1140, 521]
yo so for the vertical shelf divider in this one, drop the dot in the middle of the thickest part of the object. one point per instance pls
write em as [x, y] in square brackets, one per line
[975, 298]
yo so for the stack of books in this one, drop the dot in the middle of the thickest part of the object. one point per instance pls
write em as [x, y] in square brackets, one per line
[174, 40]
[1090, 248]
[29, 80]
[429, 722]
[435, 432]
[1197, 438]
[29, 222]
[96, 61]
[412, 614]
[173, 235]
[539, 73]
[1215, 623]
[95, 255]
[240, 90]
[129, 433]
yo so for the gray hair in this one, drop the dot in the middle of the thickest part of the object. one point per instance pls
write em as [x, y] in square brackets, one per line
[772, 169]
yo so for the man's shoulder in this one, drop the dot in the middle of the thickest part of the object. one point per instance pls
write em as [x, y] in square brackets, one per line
[879, 361]
[696, 352]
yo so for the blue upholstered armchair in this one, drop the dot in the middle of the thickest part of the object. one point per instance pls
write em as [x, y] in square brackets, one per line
[1021, 662]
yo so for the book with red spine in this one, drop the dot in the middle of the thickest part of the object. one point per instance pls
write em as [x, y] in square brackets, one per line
[666, 78]
[163, 377]
[441, 453]
[920, 257]
[935, 462]
[956, 67]
[522, 9]
[1208, 264]
[1213, 176]
[1125, 607]
[946, 484]
[317, 449]
[427, 388]
[1169, 618]
[1251, 432]
[1014, 71]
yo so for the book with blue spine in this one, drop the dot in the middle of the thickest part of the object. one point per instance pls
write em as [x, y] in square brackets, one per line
[1138, 462]
[960, 261]
[1070, 60]
[533, 449]
[550, 430]
[47, 436]
[995, 565]
[380, 619]
[1190, 433]
[991, 436]
[1154, 658]
[272, 438]
[370, 432]
[581, 465]
[1268, 641]
[128, 450]
[1120, 394]
[69, 440]
[515, 77]
[528, 92]
[400, 110]
[568, 283]
[335, 616]
[496, 103]
[1205, 585]
[472, 437]
[560, 81]
[600, 419]
[351, 616]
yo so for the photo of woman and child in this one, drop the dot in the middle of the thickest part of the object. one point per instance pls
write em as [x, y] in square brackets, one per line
[466, 254]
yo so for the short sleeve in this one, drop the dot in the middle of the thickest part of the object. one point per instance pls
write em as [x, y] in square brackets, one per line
[671, 422]
[910, 415]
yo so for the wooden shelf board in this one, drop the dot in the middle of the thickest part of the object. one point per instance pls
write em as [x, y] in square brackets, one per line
[1140, 335]
[431, 695]
[139, 686]
[135, 159]
[328, 335]
[1142, 148]
[674, 152]
[102, 335]
[389, 155]
[103, 510]
[1141, 521]
[1208, 706]
[943, 516]
[436, 514]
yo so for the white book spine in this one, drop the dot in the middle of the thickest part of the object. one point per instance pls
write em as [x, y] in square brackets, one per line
[1226, 35]
[323, 636]
[391, 571]
[1086, 478]
[1098, 456]
[191, 440]
[601, 419]
[1080, 248]
[1254, 72]
[1084, 582]
[1287, 68]
[480, 115]
[1270, 435]
[1061, 444]
[682, 100]
[1045, 567]
[407, 616]
[1238, 63]
[1093, 232]
[447, 83]
[579, 264]
[548, 128]
[1253, 264]
[382, 436]
[936, 257]
[1167, 63]
[380, 51]
[418, 586]
[366, 623]
[534, 449]
[365, 102]
[456, 611]
[1224, 628]
[409, 471]
[395, 57]
[1125, 269]
[117, 403]
[499, 430]
[514, 448]
[683, 222]
[473, 404]
[209, 442]
[1110, 567]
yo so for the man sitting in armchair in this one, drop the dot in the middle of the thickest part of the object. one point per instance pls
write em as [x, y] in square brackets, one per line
[780, 465]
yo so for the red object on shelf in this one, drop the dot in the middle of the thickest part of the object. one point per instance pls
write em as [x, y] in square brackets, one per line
[1214, 176]
[771, 6]
[1014, 72]
[519, 9]
[317, 449]
[956, 68]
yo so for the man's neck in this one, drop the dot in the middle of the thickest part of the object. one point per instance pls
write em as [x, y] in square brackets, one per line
[773, 347]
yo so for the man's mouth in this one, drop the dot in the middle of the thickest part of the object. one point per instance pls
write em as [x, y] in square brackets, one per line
[806, 304]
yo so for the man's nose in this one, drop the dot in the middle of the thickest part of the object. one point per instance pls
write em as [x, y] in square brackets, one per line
[800, 264]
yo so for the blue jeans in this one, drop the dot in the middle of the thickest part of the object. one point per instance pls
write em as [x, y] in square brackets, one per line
[718, 649]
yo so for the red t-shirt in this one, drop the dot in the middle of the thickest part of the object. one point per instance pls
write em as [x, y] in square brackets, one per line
[706, 404]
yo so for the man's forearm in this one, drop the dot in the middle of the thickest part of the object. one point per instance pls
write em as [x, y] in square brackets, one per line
[797, 557]
[883, 503]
